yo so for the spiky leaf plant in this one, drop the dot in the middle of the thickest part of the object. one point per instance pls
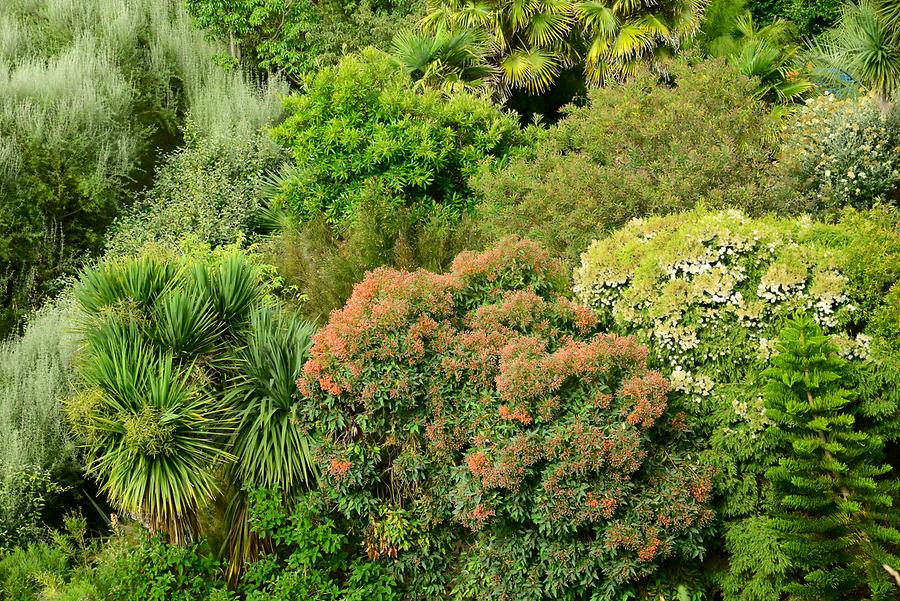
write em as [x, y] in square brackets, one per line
[837, 513]
[159, 342]
[446, 61]
[865, 44]
[271, 451]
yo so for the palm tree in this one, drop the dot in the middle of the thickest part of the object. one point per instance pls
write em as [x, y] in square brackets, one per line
[532, 41]
[768, 55]
[865, 45]
[445, 61]
[270, 450]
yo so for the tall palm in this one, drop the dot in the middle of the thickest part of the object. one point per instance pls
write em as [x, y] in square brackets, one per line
[534, 40]
[270, 450]
[865, 44]
[448, 61]
[768, 55]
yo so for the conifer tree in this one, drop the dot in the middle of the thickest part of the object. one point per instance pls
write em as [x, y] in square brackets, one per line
[836, 512]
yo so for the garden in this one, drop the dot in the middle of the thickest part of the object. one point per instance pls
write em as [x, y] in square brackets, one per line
[412, 300]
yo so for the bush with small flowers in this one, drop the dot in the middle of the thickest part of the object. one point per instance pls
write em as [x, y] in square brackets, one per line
[845, 152]
[488, 436]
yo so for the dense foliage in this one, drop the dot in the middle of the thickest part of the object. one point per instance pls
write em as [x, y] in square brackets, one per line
[208, 190]
[189, 188]
[294, 38]
[634, 150]
[183, 372]
[845, 153]
[709, 293]
[481, 399]
[88, 91]
[362, 130]
[38, 456]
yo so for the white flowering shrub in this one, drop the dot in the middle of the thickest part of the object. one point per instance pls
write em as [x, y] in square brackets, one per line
[845, 152]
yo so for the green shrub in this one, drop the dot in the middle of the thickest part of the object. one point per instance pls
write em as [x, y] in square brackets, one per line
[845, 153]
[321, 263]
[634, 150]
[708, 293]
[208, 190]
[361, 124]
[37, 457]
[88, 92]
[811, 16]
[477, 427]
[310, 558]
[836, 516]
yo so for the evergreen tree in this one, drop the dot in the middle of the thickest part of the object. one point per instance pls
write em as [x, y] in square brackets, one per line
[835, 511]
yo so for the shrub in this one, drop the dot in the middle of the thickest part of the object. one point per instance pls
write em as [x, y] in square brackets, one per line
[311, 558]
[636, 149]
[37, 456]
[208, 190]
[484, 402]
[187, 388]
[321, 263]
[845, 153]
[836, 516]
[708, 293]
[294, 38]
[361, 124]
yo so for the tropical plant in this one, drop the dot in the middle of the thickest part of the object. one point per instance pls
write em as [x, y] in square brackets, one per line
[865, 44]
[482, 399]
[270, 451]
[451, 62]
[533, 42]
[769, 55]
[361, 128]
[158, 334]
[633, 150]
[836, 516]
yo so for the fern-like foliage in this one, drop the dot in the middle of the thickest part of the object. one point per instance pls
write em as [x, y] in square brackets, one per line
[836, 511]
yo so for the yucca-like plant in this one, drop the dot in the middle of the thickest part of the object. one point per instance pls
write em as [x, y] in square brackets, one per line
[533, 41]
[270, 450]
[160, 336]
[768, 55]
[457, 61]
[865, 44]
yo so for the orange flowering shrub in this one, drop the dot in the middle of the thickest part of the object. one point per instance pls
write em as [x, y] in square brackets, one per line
[530, 455]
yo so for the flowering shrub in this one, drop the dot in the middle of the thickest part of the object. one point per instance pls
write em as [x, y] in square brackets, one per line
[845, 152]
[482, 401]
[708, 293]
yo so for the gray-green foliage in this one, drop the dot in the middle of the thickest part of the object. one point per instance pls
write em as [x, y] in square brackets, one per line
[36, 450]
[208, 190]
[88, 91]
